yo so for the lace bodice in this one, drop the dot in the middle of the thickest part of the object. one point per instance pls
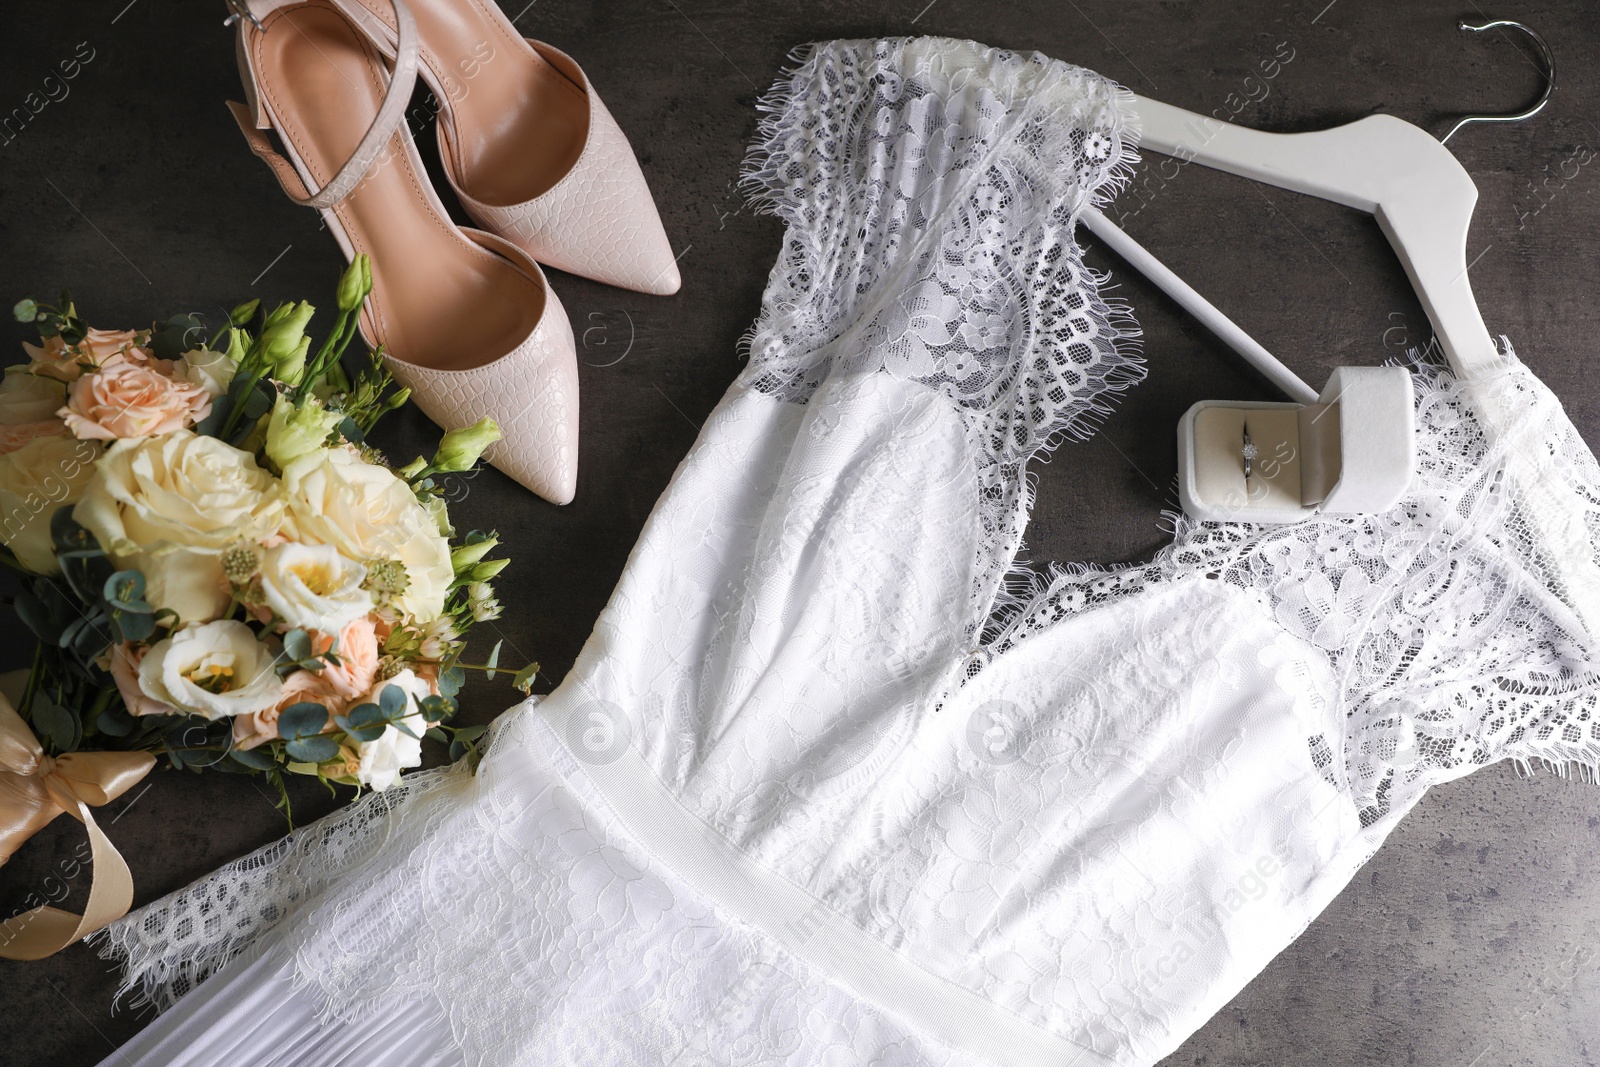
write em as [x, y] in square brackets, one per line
[834, 777]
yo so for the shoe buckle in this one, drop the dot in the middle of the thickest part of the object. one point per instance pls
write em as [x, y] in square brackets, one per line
[241, 10]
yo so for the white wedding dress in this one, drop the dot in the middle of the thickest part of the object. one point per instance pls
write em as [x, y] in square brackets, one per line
[834, 782]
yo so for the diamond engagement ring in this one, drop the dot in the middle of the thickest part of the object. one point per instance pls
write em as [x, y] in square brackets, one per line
[1248, 452]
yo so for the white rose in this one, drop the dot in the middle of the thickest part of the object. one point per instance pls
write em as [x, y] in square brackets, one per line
[334, 497]
[35, 481]
[28, 397]
[211, 371]
[384, 757]
[216, 669]
[314, 586]
[169, 505]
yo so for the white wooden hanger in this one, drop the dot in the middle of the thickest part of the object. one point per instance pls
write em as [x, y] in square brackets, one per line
[1423, 199]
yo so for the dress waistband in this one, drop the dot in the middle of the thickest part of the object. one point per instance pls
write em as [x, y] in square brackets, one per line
[805, 926]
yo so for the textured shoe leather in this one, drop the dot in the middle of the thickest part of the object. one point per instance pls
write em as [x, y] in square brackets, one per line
[465, 319]
[584, 206]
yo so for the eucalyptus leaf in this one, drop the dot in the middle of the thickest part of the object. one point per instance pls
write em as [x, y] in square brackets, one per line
[59, 725]
[302, 720]
[297, 645]
[254, 758]
[36, 617]
[493, 661]
[25, 311]
[312, 749]
[436, 734]
[115, 721]
[124, 590]
[132, 626]
[393, 702]
[525, 677]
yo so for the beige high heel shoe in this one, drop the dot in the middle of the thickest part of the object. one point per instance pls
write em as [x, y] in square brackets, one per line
[529, 147]
[465, 318]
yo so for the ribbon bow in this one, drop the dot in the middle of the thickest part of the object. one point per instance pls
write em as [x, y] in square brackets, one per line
[34, 789]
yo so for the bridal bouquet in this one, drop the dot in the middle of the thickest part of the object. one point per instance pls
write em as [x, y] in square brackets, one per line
[222, 573]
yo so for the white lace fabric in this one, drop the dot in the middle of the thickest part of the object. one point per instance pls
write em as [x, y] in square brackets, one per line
[825, 782]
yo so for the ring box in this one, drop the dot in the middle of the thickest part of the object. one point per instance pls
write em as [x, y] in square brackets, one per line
[1351, 452]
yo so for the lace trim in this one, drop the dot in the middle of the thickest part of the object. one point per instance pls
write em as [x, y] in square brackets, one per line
[1444, 618]
[930, 189]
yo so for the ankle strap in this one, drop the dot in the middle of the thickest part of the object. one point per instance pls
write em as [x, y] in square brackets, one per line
[252, 118]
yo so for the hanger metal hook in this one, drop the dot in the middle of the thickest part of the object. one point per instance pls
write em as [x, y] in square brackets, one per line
[1547, 71]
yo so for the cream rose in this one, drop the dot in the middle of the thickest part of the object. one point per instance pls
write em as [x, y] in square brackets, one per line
[335, 497]
[28, 404]
[133, 400]
[36, 480]
[216, 670]
[385, 756]
[314, 586]
[169, 506]
[211, 371]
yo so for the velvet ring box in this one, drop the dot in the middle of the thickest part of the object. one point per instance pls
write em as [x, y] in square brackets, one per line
[1351, 452]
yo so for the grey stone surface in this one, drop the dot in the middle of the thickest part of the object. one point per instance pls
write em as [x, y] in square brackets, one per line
[1471, 936]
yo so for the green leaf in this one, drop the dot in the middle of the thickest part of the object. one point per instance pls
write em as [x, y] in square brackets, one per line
[257, 759]
[351, 432]
[115, 721]
[25, 310]
[133, 626]
[58, 725]
[124, 591]
[302, 720]
[176, 336]
[458, 749]
[471, 733]
[525, 677]
[211, 425]
[393, 702]
[364, 723]
[69, 536]
[494, 660]
[297, 645]
[436, 734]
[316, 749]
[437, 709]
[36, 617]
[451, 680]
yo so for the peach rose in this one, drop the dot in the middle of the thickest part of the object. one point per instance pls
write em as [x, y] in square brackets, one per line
[133, 400]
[332, 687]
[99, 348]
[358, 661]
[259, 727]
[125, 659]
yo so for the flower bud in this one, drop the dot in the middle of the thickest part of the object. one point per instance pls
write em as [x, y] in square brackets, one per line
[244, 312]
[459, 449]
[468, 555]
[482, 572]
[236, 345]
[283, 338]
[355, 284]
[296, 430]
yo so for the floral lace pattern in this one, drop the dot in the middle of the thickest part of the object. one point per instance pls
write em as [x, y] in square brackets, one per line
[1099, 809]
[931, 188]
[1445, 617]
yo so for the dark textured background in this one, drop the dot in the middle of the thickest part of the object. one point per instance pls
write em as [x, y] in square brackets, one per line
[1469, 939]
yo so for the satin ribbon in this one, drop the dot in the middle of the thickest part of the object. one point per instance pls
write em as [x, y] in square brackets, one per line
[34, 790]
